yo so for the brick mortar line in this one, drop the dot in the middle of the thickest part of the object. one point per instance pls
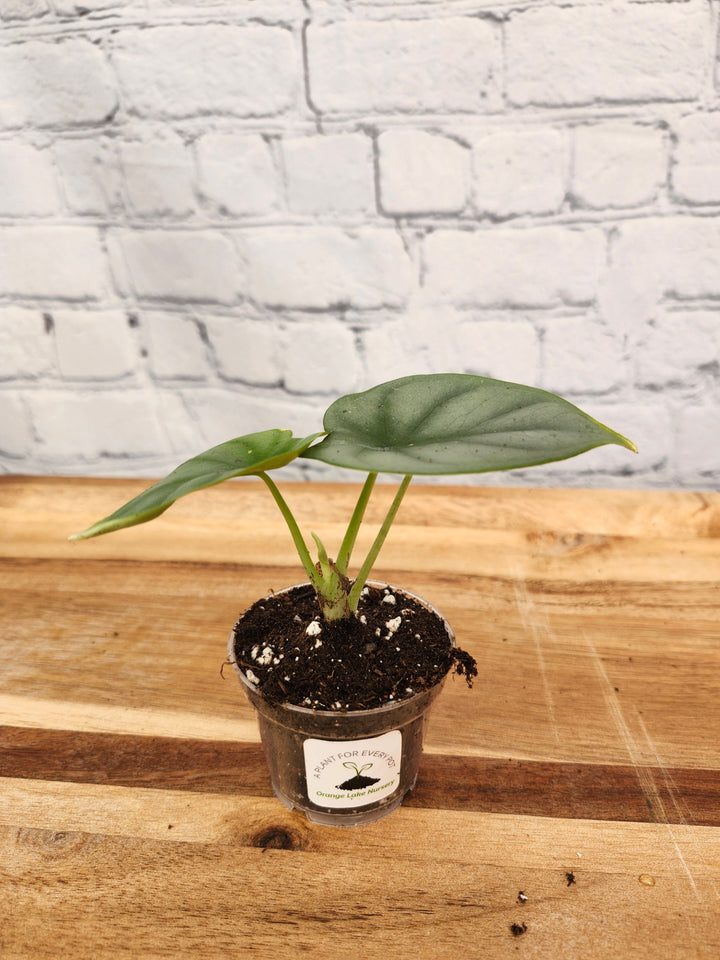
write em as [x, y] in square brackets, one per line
[228, 14]
[288, 124]
[571, 116]
[471, 222]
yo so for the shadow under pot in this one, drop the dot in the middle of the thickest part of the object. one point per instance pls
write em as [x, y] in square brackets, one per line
[340, 765]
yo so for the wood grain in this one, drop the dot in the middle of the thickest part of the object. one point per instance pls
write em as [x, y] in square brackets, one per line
[480, 784]
[584, 677]
[230, 888]
[136, 817]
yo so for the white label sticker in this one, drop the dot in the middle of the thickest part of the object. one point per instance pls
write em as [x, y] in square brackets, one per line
[352, 773]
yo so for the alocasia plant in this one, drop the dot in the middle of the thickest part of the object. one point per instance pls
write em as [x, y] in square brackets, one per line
[439, 424]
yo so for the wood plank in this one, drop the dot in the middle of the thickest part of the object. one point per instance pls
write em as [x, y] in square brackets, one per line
[583, 559]
[239, 521]
[174, 874]
[65, 504]
[472, 784]
[625, 675]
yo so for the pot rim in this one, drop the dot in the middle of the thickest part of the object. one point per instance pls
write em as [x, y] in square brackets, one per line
[314, 712]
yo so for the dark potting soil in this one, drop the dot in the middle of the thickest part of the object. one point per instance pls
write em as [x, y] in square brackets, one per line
[390, 650]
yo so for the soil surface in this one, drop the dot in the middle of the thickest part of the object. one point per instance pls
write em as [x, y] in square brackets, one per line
[390, 650]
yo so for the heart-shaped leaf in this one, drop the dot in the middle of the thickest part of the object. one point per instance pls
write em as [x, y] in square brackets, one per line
[453, 423]
[243, 456]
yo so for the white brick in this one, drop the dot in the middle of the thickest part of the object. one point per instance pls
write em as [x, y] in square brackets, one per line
[178, 265]
[698, 450]
[420, 340]
[506, 349]
[25, 343]
[268, 11]
[247, 350]
[88, 425]
[582, 356]
[179, 427]
[90, 175]
[66, 82]
[439, 338]
[93, 345]
[22, 9]
[422, 172]
[655, 257]
[158, 176]
[430, 66]
[696, 170]
[63, 262]
[607, 52]
[183, 71]
[233, 412]
[618, 165]
[330, 174]
[677, 347]
[520, 171]
[175, 348]
[16, 436]
[237, 173]
[324, 267]
[522, 267]
[27, 181]
[74, 8]
[320, 357]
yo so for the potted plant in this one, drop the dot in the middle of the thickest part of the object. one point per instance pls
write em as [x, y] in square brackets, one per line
[342, 670]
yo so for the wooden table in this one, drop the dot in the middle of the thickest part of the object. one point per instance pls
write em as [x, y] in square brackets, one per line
[568, 805]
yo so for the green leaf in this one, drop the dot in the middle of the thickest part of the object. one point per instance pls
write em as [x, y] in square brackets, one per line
[253, 454]
[454, 423]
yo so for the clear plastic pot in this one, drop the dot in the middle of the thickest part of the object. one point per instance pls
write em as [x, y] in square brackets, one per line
[343, 768]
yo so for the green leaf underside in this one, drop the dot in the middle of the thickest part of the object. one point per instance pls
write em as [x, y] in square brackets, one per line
[454, 424]
[243, 456]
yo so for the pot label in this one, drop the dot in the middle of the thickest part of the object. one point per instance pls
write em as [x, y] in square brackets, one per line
[352, 773]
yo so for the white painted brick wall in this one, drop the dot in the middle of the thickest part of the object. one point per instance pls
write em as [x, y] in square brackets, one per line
[158, 177]
[236, 173]
[90, 176]
[424, 65]
[64, 81]
[56, 262]
[174, 347]
[695, 171]
[608, 52]
[618, 164]
[331, 175]
[290, 267]
[422, 173]
[28, 186]
[520, 171]
[93, 345]
[26, 351]
[199, 69]
[541, 266]
[177, 265]
[214, 217]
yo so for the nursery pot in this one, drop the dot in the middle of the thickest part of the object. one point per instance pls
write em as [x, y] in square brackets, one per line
[343, 768]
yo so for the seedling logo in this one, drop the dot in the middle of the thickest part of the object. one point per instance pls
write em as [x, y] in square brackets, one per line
[358, 781]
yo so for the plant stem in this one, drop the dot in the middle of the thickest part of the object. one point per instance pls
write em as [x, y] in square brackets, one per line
[298, 540]
[346, 548]
[377, 544]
